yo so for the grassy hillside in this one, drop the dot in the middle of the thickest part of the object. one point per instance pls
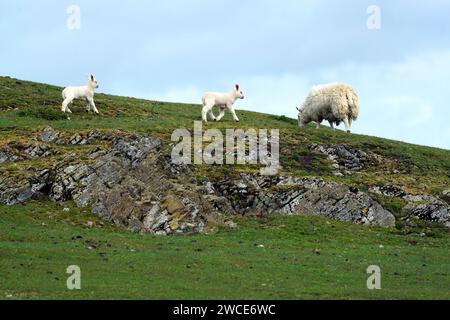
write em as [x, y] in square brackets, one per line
[300, 258]
[27, 108]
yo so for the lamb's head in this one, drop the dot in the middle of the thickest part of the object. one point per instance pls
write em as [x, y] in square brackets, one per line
[301, 119]
[93, 83]
[238, 92]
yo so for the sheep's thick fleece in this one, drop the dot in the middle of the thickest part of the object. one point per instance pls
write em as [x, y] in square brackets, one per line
[332, 102]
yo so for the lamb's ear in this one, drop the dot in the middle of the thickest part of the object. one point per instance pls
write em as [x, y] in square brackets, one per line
[237, 87]
[92, 77]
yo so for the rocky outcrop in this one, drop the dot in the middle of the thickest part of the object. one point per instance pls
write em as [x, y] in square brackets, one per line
[428, 208]
[423, 207]
[127, 180]
[388, 191]
[301, 196]
[38, 151]
[61, 138]
[344, 158]
[18, 152]
[131, 185]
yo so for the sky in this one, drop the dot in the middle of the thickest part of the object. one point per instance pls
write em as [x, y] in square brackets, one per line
[175, 50]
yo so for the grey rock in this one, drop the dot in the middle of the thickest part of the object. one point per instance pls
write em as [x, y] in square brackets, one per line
[7, 157]
[38, 152]
[428, 208]
[294, 196]
[48, 135]
[344, 158]
[388, 191]
[126, 185]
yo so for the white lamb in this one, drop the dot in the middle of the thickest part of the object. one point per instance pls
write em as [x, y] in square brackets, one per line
[223, 101]
[333, 102]
[87, 93]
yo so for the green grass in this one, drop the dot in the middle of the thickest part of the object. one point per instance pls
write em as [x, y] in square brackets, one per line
[39, 241]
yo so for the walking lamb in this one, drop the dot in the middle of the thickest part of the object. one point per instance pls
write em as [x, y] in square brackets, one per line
[223, 101]
[87, 93]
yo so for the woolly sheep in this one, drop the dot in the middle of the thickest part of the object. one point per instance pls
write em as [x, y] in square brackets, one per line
[87, 93]
[335, 103]
[223, 101]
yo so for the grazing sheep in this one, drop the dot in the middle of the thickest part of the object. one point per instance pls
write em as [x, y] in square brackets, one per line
[333, 102]
[223, 101]
[86, 93]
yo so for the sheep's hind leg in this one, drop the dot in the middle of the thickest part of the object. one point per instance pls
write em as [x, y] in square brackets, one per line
[347, 125]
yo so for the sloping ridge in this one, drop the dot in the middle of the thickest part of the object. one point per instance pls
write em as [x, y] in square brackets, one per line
[129, 179]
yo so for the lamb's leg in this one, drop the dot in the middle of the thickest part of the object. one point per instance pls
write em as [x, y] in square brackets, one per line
[331, 124]
[65, 105]
[233, 112]
[92, 104]
[211, 115]
[88, 108]
[318, 125]
[347, 124]
[205, 111]
[221, 114]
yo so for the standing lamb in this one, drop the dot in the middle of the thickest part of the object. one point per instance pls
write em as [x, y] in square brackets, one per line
[223, 101]
[87, 93]
[333, 102]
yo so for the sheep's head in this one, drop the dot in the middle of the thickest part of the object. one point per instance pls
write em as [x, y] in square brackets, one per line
[238, 91]
[93, 83]
[301, 119]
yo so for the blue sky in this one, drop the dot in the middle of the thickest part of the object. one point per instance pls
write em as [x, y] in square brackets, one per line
[174, 50]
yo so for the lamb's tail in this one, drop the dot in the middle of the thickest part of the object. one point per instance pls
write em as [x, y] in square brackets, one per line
[64, 94]
[353, 104]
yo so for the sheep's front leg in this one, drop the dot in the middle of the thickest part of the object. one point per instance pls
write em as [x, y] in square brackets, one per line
[331, 124]
[92, 104]
[233, 112]
[318, 125]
